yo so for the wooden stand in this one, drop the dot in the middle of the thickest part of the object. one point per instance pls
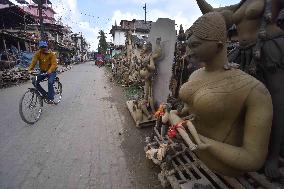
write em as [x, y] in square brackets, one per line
[184, 171]
[146, 123]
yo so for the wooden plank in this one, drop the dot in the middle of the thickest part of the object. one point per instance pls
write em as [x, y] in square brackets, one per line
[198, 164]
[173, 181]
[186, 168]
[179, 171]
[150, 123]
[202, 182]
[261, 180]
[234, 183]
[212, 175]
[245, 183]
[192, 165]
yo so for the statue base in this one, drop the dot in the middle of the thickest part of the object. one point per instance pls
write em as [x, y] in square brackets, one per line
[182, 169]
[145, 122]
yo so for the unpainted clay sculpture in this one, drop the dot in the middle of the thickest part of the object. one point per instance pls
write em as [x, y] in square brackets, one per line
[148, 62]
[260, 54]
[233, 110]
[148, 59]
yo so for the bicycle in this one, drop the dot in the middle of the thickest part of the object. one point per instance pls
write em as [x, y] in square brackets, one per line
[31, 103]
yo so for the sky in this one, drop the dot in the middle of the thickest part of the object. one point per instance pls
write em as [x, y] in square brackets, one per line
[90, 16]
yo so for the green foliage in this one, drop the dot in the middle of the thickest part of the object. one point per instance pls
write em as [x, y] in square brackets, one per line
[102, 47]
[134, 91]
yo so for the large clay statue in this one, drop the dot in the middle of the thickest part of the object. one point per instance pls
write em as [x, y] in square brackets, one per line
[143, 108]
[148, 67]
[232, 110]
[260, 54]
[129, 44]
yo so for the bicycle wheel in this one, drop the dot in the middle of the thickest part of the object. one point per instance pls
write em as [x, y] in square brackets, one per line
[30, 106]
[58, 91]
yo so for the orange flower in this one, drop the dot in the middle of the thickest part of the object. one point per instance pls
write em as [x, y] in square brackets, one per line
[161, 111]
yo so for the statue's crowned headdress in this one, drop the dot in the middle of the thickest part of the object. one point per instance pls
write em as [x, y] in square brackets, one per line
[211, 27]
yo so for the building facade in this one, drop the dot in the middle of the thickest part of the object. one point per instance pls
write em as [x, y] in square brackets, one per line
[139, 28]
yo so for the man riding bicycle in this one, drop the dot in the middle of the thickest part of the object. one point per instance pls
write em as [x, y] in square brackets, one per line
[48, 65]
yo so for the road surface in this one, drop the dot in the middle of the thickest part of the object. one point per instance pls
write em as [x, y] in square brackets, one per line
[87, 141]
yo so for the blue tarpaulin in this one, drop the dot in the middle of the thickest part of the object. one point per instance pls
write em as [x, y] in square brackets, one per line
[25, 59]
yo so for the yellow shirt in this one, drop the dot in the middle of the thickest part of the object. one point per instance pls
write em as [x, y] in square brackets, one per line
[47, 62]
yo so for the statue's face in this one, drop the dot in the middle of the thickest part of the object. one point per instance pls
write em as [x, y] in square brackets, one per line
[144, 48]
[202, 50]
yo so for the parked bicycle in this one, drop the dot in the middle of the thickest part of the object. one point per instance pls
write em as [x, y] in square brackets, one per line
[31, 103]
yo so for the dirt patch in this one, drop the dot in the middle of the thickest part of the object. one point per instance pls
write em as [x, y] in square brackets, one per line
[110, 99]
[144, 173]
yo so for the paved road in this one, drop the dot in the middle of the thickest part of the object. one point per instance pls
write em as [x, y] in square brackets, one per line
[87, 141]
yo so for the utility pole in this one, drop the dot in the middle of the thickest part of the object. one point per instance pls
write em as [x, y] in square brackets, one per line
[145, 9]
[40, 19]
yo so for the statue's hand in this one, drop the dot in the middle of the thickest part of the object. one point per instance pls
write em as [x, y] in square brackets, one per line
[180, 108]
[158, 40]
[205, 143]
[193, 147]
[168, 107]
[203, 146]
[280, 19]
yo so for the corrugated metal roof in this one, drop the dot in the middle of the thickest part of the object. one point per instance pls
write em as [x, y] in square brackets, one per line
[4, 2]
[43, 1]
[141, 24]
[22, 1]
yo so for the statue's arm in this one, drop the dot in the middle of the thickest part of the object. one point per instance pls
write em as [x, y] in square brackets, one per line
[185, 110]
[206, 7]
[280, 13]
[252, 154]
[226, 11]
[157, 53]
[151, 66]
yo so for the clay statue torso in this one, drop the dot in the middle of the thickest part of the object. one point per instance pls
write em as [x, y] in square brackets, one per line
[248, 19]
[218, 103]
[146, 73]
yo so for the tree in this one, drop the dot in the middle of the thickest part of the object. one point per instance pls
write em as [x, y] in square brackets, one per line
[102, 47]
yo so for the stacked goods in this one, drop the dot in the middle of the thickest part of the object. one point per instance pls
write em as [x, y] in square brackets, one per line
[14, 76]
[5, 64]
[18, 75]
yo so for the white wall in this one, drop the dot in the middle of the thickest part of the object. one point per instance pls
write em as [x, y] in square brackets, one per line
[79, 44]
[2, 6]
[114, 52]
[140, 34]
[119, 38]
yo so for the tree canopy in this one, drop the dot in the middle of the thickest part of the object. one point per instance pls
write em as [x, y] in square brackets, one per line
[102, 47]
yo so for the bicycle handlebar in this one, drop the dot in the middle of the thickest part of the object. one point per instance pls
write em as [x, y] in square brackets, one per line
[37, 74]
